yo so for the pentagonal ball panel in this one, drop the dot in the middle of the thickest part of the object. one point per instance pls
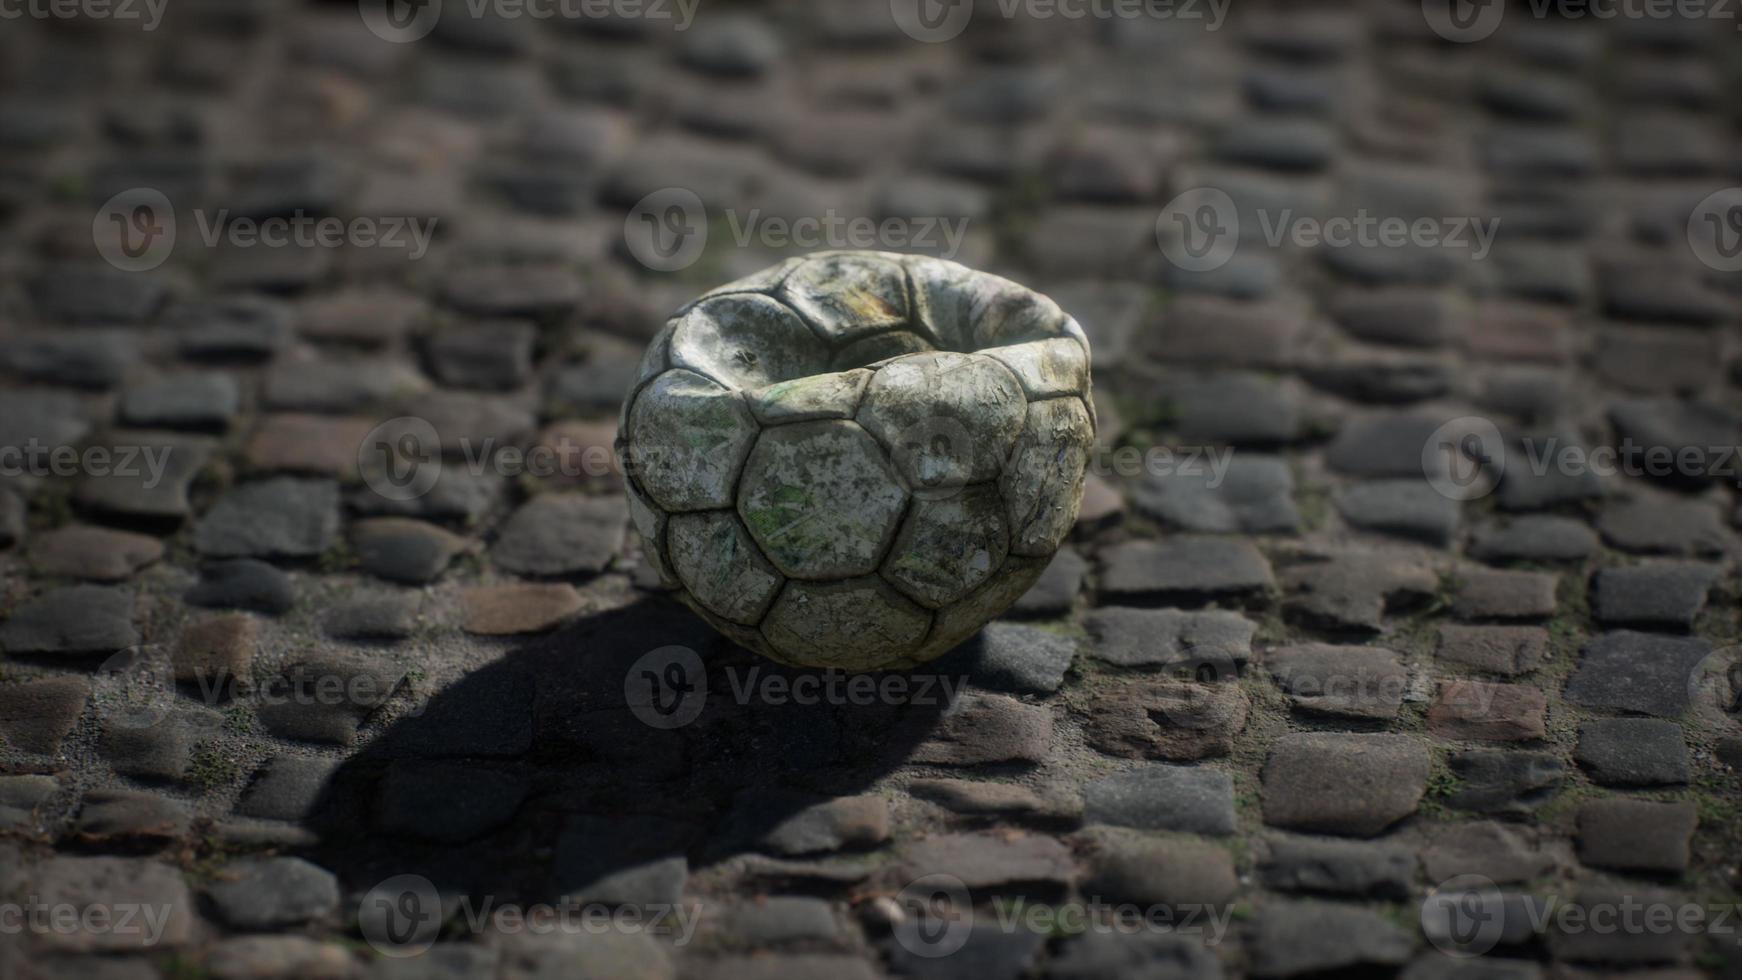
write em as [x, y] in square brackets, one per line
[958, 621]
[1043, 485]
[764, 281]
[848, 294]
[720, 566]
[821, 499]
[688, 437]
[948, 546]
[880, 347]
[858, 624]
[1046, 368]
[943, 294]
[949, 419]
[820, 396]
[971, 310]
[746, 340]
[1003, 312]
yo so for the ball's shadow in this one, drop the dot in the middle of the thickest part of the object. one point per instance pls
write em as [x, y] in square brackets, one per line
[540, 776]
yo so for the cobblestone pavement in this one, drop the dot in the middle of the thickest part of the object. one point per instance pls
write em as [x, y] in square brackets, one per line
[1397, 625]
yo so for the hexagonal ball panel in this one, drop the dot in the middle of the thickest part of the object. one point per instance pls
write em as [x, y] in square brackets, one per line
[949, 419]
[688, 437]
[848, 295]
[858, 624]
[1043, 484]
[821, 499]
[948, 546]
[720, 566]
[746, 340]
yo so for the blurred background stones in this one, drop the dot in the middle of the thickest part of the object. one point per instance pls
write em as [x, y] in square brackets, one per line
[1289, 668]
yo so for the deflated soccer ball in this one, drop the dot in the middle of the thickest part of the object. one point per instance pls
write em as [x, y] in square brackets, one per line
[857, 459]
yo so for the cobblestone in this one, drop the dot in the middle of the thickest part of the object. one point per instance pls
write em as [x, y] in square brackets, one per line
[76, 620]
[1343, 784]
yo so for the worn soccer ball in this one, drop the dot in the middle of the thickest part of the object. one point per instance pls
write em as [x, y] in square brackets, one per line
[856, 459]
